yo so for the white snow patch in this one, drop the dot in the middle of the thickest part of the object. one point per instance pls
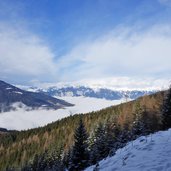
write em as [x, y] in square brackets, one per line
[150, 153]
[8, 88]
[18, 105]
[17, 92]
[23, 119]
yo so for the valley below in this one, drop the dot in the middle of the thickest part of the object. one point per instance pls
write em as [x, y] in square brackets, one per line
[22, 119]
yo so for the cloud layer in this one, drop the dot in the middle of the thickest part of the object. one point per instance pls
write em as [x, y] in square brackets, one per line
[23, 54]
[123, 52]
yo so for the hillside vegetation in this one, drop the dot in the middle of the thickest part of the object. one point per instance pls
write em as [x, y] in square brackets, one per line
[17, 148]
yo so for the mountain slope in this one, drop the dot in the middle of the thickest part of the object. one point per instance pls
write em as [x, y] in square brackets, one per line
[60, 133]
[10, 95]
[143, 154]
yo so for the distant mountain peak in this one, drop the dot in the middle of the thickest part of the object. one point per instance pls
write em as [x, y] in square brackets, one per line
[12, 97]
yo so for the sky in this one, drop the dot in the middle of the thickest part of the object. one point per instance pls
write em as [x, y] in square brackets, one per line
[72, 40]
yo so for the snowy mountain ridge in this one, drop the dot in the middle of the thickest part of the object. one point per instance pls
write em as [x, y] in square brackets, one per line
[143, 154]
[111, 83]
[12, 97]
[75, 91]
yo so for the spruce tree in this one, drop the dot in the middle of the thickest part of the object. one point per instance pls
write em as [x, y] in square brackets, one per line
[97, 145]
[67, 158]
[138, 125]
[166, 110]
[80, 156]
[42, 164]
[54, 161]
[117, 137]
[125, 135]
[109, 139]
[35, 164]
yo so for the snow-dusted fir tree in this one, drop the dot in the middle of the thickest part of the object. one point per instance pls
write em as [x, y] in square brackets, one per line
[138, 126]
[42, 164]
[35, 163]
[166, 110]
[124, 136]
[110, 139]
[80, 155]
[27, 167]
[39, 162]
[67, 157]
[54, 162]
[98, 147]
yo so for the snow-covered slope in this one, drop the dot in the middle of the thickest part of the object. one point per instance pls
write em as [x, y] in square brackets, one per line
[152, 153]
[23, 119]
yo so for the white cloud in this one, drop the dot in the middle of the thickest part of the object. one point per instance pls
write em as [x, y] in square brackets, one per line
[22, 119]
[23, 54]
[127, 83]
[122, 53]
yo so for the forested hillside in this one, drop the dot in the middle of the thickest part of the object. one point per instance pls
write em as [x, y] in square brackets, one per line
[19, 148]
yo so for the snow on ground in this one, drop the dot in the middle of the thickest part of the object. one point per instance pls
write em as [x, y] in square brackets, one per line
[22, 119]
[144, 154]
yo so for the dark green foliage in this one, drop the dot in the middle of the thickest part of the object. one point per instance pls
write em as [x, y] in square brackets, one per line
[124, 136]
[110, 139]
[98, 145]
[138, 125]
[35, 165]
[10, 169]
[80, 156]
[141, 123]
[67, 158]
[106, 140]
[45, 162]
[27, 167]
[166, 110]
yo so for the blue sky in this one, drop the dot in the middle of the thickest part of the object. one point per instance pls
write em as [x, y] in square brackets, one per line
[70, 40]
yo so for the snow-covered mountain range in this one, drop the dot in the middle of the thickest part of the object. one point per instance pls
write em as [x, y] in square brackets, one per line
[81, 90]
